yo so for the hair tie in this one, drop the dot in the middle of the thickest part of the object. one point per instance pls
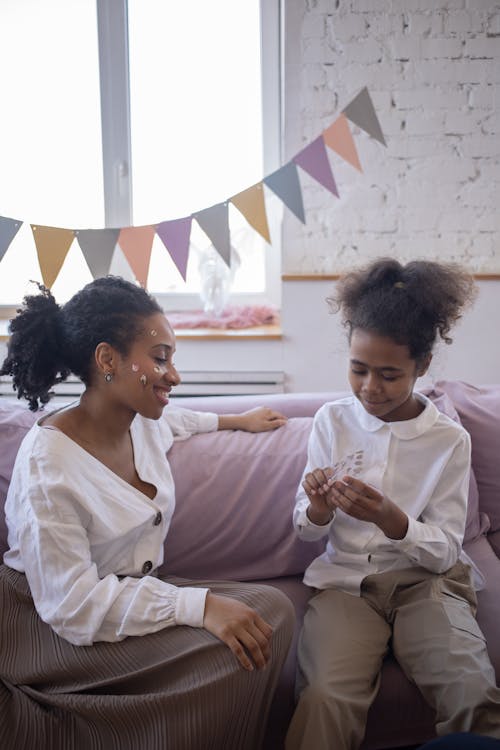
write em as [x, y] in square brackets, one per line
[399, 285]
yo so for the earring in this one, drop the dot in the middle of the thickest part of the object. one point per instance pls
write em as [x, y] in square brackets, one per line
[143, 379]
[108, 377]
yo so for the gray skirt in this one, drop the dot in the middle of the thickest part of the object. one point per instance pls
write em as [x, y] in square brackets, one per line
[177, 689]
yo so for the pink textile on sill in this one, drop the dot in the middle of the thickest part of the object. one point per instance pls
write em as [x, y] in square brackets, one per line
[244, 316]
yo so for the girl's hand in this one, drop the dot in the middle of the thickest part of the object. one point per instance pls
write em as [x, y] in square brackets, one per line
[317, 486]
[260, 419]
[365, 503]
[240, 628]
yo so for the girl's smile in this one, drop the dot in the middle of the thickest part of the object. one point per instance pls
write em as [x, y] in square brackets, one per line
[382, 375]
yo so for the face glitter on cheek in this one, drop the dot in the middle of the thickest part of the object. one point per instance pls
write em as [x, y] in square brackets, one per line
[135, 368]
[153, 332]
[156, 368]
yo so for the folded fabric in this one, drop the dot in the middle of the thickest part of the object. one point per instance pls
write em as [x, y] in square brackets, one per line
[233, 316]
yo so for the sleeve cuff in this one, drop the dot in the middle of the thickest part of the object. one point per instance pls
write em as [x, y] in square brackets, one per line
[190, 606]
[208, 421]
[408, 542]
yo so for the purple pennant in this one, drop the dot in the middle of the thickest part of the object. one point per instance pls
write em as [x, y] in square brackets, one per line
[314, 160]
[175, 235]
[285, 183]
[8, 230]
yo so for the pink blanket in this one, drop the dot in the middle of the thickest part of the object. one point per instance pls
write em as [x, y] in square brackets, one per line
[243, 316]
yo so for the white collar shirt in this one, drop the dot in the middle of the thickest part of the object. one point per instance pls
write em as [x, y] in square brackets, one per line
[421, 464]
[88, 541]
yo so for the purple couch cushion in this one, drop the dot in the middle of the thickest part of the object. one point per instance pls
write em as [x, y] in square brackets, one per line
[477, 523]
[235, 495]
[479, 411]
[15, 421]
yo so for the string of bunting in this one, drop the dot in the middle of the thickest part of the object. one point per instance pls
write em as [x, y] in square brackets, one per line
[98, 245]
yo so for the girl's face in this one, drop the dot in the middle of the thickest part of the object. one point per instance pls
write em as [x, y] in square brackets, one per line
[147, 374]
[382, 376]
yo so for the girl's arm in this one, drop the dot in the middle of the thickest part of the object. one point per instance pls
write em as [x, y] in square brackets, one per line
[260, 419]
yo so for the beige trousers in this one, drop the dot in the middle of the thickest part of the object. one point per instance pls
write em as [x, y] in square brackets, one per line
[435, 639]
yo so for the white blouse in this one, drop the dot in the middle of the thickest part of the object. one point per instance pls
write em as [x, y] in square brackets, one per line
[87, 540]
[421, 464]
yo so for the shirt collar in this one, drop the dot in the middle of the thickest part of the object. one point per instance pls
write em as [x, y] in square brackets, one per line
[406, 429]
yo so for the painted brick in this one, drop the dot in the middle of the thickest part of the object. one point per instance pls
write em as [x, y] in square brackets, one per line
[483, 47]
[460, 22]
[441, 47]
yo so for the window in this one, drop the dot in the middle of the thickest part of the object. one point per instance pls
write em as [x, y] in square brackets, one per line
[186, 133]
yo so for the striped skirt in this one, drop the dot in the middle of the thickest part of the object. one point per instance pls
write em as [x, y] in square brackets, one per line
[177, 689]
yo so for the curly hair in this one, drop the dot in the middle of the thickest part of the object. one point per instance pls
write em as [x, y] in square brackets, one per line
[411, 304]
[48, 342]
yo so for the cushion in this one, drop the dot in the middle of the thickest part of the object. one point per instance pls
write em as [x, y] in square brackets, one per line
[235, 493]
[479, 411]
[477, 523]
[15, 421]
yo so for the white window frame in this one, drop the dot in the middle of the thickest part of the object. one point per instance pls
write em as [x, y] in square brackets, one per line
[112, 29]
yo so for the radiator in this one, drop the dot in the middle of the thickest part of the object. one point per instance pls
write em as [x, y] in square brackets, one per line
[208, 383]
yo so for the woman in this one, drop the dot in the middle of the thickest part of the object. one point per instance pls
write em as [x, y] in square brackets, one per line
[115, 656]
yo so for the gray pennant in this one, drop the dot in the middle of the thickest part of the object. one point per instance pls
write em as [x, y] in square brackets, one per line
[285, 183]
[362, 113]
[8, 230]
[98, 246]
[215, 223]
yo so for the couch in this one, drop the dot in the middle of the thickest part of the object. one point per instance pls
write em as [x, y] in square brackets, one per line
[235, 494]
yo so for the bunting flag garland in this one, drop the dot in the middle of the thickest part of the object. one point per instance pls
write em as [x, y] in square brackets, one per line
[215, 223]
[98, 245]
[339, 138]
[314, 160]
[285, 183]
[250, 203]
[52, 245]
[362, 113]
[8, 230]
[175, 236]
[137, 243]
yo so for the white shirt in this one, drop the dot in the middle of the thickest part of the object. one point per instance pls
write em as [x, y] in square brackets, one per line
[87, 539]
[421, 464]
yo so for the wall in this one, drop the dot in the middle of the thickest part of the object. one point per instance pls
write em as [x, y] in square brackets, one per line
[432, 68]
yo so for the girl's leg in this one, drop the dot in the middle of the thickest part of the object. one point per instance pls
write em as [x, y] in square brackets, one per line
[340, 653]
[439, 645]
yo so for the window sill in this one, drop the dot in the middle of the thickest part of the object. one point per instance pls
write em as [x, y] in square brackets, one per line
[267, 332]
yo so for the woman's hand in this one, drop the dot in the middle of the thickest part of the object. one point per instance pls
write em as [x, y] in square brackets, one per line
[260, 419]
[365, 503]
[240, 628]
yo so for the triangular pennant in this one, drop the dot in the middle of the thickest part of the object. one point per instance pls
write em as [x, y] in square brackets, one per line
[314, 160]
[52, 245]
[137, 243]
[285, 183]
[175, 235]
[362, 113]
[8, 230]
[251, 204]
[215, 223]
[98, 246]
[339, 138]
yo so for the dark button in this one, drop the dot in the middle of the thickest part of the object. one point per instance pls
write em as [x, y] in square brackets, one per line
[369, 558]
[148, 565]
[157, 520]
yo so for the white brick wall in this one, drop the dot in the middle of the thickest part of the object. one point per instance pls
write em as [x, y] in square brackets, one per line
[433, 70]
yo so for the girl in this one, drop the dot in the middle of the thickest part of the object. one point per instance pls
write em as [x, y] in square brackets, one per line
[113, 655]
[386, 482]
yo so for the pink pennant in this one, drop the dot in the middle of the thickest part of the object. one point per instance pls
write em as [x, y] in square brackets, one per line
[175, 235]
[339, 138]
[136, 243]
[314, 160]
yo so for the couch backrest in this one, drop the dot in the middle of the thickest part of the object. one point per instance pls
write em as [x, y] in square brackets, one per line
[235, 491]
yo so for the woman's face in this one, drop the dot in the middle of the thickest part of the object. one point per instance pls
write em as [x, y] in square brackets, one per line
[382, 375]
[147, 374]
